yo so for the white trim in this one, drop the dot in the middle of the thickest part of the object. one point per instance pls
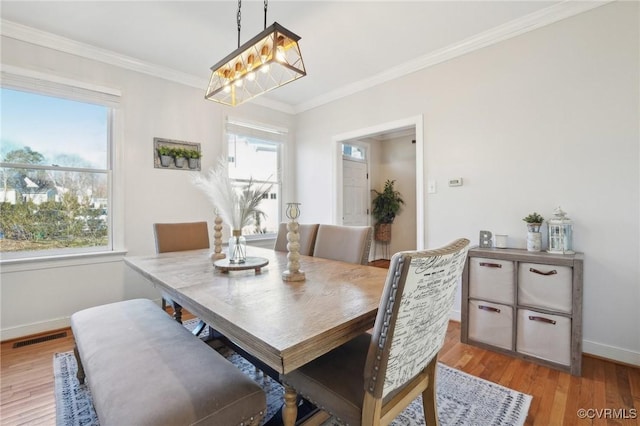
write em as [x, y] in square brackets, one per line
[66, 45]
[60, 261]
[53, 85]
[50, 78]
[415, 122]
[495, 35]
[611, 352]
[530, 22]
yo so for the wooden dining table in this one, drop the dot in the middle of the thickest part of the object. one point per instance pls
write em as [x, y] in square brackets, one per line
[283, 324]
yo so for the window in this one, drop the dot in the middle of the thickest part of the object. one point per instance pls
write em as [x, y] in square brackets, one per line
[255, 155]
[353, 152]
[55, 169]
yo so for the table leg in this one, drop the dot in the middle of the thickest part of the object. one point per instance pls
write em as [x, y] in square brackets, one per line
[290, 407]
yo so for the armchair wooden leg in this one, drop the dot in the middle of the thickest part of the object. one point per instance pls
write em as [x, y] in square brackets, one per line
[290, 407]
[429, 401]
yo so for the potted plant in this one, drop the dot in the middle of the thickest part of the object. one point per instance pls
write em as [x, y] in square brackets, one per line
[180, 156]
[166, 156]
[193, 156]
[386, 205]
[534, 237]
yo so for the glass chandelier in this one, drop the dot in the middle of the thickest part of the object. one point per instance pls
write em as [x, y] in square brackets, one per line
[267, 61]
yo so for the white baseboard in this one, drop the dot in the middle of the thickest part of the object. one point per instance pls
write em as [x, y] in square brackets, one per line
[611, 352]
[25, 330]
[34, 328]
[591, 348]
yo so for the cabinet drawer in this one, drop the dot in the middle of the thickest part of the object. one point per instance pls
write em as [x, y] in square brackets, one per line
[491, 279]
[491, 323]
[545, 286]
[544, 336]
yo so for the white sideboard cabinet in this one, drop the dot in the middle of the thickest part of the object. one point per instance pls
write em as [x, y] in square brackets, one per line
[526, 304]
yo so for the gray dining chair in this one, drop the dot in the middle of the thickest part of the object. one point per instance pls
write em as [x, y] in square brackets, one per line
[180, 237]
[307, 238]
[346, 243]
[372, 378]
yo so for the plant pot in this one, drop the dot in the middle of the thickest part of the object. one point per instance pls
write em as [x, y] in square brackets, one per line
[534, 241]
[383, 232]
[193, 163]
[165, 160]
[180, 161]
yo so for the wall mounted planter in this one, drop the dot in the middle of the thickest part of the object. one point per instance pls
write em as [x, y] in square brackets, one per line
[172, 160]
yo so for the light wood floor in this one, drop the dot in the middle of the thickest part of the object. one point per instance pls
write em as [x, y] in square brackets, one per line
[27, 383]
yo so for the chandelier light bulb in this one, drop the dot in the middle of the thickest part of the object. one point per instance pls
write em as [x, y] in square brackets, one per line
[251, 76]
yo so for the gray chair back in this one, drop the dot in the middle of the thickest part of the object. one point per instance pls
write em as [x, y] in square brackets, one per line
[413, 315]
[346, 243]
[307, 238]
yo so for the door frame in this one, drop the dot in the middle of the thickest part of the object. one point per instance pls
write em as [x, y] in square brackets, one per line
[337, 182]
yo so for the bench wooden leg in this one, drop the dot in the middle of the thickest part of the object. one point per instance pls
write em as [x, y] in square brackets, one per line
[177, 312]
[80, 374]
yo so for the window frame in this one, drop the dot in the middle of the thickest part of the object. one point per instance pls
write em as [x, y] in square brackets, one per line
[268, 133]
[19, 79]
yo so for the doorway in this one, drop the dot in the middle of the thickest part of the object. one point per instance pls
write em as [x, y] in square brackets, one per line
[414, 124]
[355, 182]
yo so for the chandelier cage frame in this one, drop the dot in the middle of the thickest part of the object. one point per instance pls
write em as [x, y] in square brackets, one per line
[267, 61]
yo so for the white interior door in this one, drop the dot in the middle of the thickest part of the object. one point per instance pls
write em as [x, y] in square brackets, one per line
[355, 204]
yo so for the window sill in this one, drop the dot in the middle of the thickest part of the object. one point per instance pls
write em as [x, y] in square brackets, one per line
[60, 260]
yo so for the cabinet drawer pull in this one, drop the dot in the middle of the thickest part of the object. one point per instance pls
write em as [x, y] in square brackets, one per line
[536, 271]
[541, 319]
[488, 308]
[491, 265]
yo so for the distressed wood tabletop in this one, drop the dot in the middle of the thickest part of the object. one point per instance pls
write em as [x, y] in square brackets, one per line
[284, 324]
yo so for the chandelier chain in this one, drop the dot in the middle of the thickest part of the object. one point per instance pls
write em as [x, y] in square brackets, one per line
[266, 4]
[239, 18]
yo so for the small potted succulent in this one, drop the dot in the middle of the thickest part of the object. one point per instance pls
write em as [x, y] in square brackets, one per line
[534, 237]
[534, 222]
[193, 156]
[180, 156]
[166, 155]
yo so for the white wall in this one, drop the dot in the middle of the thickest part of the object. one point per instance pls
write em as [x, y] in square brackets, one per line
[395, 158]
[41, 296]
[544, 119]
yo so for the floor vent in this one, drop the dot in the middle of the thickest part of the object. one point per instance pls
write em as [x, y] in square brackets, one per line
[39, 339]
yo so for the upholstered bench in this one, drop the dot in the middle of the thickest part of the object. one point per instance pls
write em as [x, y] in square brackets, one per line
[144, 368]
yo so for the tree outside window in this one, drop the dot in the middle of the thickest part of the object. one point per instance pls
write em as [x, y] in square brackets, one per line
[54, 174]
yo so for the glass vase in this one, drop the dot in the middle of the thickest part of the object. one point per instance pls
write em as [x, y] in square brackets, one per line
[237, 247]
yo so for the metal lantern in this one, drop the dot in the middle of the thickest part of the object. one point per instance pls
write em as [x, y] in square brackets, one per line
[560, 233]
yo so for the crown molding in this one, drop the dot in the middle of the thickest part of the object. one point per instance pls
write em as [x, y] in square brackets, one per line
[66, 45]
[516, 27]
[503, 32]
[41, 38]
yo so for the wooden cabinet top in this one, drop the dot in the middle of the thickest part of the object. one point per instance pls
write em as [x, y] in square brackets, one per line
[523, 255]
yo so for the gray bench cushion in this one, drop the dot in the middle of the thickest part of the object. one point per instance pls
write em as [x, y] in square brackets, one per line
[143, 368]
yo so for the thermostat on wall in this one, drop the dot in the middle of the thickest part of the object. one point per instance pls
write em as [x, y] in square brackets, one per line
[455, 182]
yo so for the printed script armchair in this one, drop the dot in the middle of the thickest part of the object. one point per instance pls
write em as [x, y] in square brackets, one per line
[372, 378]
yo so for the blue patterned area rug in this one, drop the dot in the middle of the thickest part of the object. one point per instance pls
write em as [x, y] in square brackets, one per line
[462, 399]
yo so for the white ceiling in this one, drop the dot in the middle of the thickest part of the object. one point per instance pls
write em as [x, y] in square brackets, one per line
[346, 46]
